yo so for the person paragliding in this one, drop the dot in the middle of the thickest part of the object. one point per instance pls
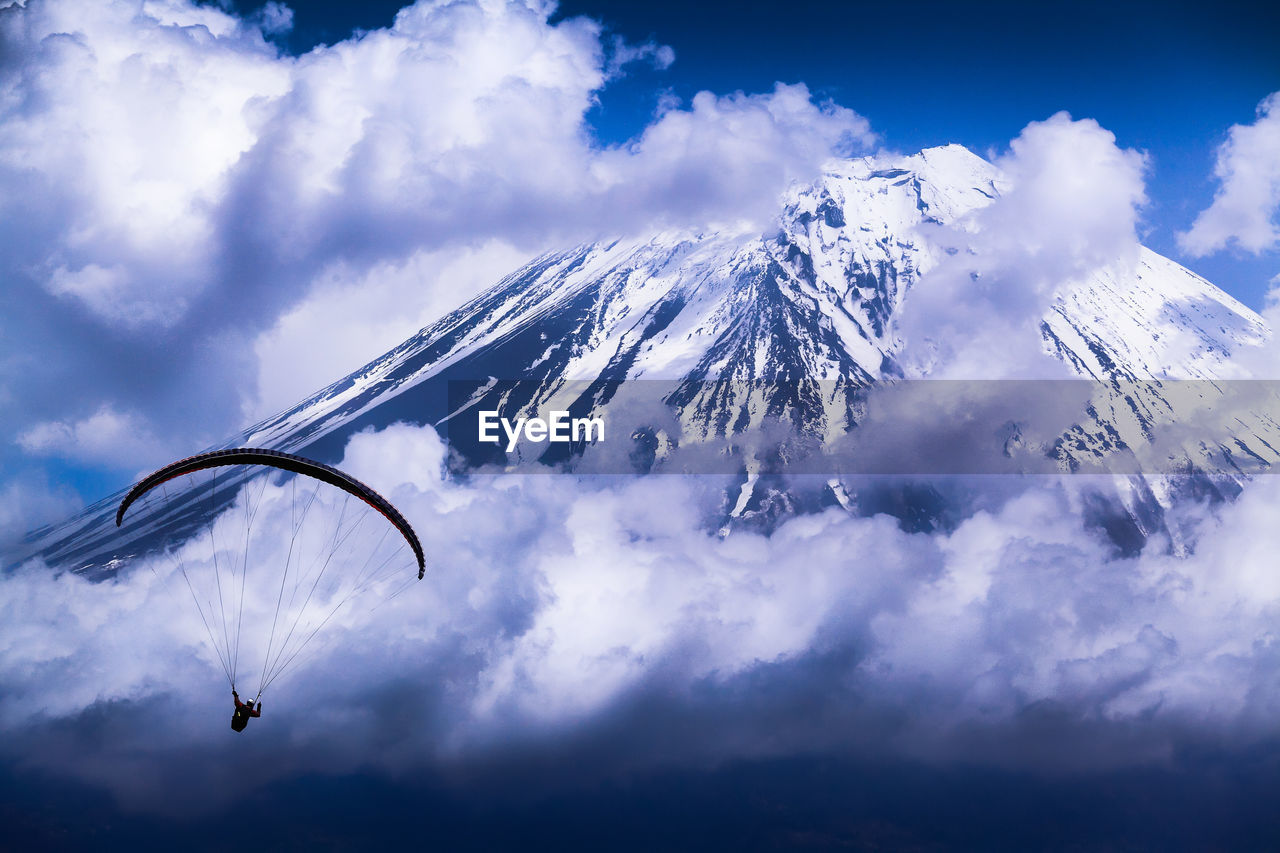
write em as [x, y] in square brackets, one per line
[244, 710]
[296, 596]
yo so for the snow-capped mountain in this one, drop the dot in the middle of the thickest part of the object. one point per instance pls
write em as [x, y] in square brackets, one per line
[743, 328]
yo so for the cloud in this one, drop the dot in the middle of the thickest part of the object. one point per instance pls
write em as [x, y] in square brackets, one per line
[1262, 361]
[122, 440]
[178, 199]
[659, 55]
[350, 315]
[1070, 208]
[29, 501]
[122, 123]
[602, 618]
[384, 146]
[274, 18]
[1248, 172]
[725, 159]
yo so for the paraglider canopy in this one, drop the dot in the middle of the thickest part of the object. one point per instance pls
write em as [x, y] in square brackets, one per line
[286, 462]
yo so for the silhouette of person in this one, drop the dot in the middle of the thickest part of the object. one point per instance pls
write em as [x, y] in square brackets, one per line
[244, 710]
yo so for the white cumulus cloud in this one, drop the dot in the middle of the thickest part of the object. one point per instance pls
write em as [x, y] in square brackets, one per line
[1070, 208]
[106, 438]
[350, 316]
[119, 125]
[179, 200]
[172, 141]
[1245, 206]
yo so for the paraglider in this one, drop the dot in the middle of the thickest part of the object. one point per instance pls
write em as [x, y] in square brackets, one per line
[289, 557]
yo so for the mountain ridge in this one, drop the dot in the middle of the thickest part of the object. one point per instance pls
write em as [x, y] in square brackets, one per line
[738, 321]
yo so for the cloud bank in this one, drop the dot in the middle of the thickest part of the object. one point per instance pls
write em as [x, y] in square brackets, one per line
[1245, 206]
[600, 617]
[179, 199]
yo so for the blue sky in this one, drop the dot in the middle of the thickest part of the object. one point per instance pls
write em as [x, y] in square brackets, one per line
[206, 215]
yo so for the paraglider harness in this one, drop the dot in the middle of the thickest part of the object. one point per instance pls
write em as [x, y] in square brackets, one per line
[244, 710]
